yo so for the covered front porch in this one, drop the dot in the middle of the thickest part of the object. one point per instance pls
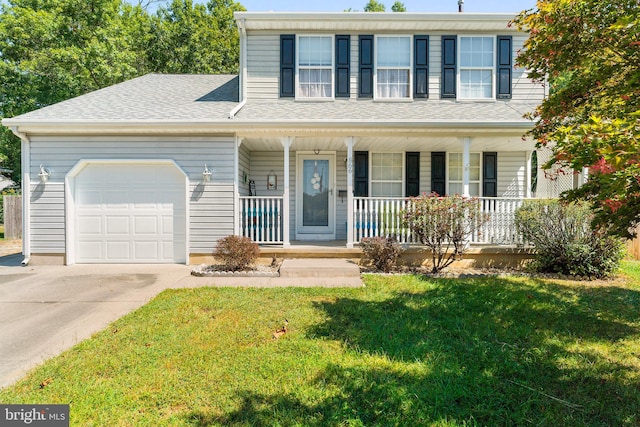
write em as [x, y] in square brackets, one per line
[341, 189]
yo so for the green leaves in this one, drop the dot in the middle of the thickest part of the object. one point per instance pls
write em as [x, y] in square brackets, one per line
[57, 49]
[590, 52]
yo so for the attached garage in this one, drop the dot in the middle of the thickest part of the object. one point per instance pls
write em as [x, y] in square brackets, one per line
[127, 212]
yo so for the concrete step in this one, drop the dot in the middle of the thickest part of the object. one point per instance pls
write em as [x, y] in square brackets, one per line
[319, 267]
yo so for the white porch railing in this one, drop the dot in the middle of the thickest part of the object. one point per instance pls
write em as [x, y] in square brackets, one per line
[261, 218]
[382, 216]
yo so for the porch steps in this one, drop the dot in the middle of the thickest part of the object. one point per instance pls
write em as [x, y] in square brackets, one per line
[319, 267]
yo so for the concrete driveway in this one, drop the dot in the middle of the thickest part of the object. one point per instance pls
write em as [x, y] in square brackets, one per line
[45, 309]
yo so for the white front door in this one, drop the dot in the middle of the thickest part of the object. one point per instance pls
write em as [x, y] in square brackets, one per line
[315, 198]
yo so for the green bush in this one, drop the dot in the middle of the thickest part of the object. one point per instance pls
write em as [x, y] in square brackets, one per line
[236, 253]
[444, 225]
[383, 252]
[564, 240]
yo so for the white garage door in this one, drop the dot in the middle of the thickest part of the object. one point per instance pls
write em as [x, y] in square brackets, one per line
[130, 213]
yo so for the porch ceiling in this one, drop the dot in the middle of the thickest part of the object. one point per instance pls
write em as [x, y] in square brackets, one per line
[387, 143]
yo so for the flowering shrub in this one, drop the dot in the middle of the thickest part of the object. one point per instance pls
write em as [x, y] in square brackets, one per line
[444, 225]
[564, 240]
[236, 253]
[382, 251]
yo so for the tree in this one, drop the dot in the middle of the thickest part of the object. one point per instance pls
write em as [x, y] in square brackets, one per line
[374, 6]
[590, 51]
[444, 225]
[52, 50]
[194, 38]
[398, 7]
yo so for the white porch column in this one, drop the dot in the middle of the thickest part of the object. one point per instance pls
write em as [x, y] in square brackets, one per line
[527, 177]
[286, 144]
[349, 141]
[466, 148]
[236, 187]
[585, 176]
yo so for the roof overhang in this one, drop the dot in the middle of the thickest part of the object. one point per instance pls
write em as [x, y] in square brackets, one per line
[379, 21]
[266, 127]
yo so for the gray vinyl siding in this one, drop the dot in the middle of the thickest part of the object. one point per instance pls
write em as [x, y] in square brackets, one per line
[262, 163]
[263, 65]
[244, 167]
[341, 205]
[512, 174]
[524, 89]
[425, 172]
[211, 205]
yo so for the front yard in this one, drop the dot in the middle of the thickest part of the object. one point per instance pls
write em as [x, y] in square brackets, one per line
[405, 350]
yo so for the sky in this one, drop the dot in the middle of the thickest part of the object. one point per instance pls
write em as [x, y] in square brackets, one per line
[411, 5]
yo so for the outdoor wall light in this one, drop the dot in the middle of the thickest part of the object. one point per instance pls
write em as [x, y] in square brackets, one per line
[206, 174]
[44, 174]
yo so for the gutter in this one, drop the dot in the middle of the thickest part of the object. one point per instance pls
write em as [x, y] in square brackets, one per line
[243, 69]
[26, 194]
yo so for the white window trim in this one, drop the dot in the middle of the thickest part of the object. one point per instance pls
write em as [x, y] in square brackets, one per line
[492, 68]
[332, 68]
[375, 68]
[461, 181]
[404, 172]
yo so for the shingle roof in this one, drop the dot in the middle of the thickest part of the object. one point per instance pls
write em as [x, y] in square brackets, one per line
[210, 98]
[368, 110]
[149, 98]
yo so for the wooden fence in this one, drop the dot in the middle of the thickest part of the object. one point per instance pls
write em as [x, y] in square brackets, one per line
[633, 246]
[12, 206]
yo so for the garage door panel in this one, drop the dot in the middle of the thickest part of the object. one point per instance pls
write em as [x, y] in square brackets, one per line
[90, 225]
[130, 213]
[118, 251]
[91, 250]
[145, 224]
[117, 224]
[147, 251]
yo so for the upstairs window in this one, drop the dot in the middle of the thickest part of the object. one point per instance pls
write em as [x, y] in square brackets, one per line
[476, 67]
[315, 66]
[393, 67]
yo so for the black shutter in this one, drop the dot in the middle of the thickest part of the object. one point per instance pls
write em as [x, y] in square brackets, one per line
[365, 80]
[412, 174]
[287, 65]
[438, 172]
[449, 55]
[343, 59]
[490, 174]
[504, 67]
[421, 67]
[361, 175]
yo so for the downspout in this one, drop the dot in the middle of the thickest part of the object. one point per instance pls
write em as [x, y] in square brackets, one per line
[243, 70]
[26, 193]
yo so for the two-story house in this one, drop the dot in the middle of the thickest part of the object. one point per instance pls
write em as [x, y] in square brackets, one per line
[333, 121]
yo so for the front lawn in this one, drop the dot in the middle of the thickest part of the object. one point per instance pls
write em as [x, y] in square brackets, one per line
[403, 351]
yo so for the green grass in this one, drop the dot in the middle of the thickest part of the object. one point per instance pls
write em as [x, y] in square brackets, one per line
[1, 232]
[405, 350]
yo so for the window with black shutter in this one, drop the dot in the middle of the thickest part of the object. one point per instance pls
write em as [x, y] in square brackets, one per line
[490, 174]
[365, 68]
[361, 174]
[421, 67]
[505, 65]
[438, 172]
[287, 65]
[449, 55]
[412, 174]
[343, 60]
